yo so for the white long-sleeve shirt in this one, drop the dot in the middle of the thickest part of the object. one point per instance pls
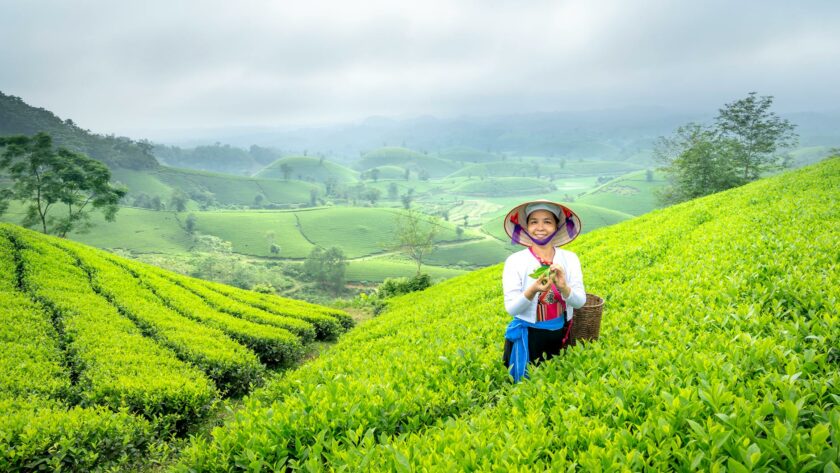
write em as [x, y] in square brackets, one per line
[515, 280]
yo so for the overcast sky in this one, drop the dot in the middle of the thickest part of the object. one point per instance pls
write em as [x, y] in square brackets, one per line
[136, 67]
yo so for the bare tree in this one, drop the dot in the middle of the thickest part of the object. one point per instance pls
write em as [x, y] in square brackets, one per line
[415, 234]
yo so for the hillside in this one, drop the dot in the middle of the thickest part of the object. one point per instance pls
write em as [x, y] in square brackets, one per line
[307, 169]
[100, 356]
[207, 188]
[718, 350]
[631, 193]
[19, 118]
[406, 159]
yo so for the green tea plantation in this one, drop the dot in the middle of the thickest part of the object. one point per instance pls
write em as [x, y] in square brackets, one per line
[101, 356]
[719, 351]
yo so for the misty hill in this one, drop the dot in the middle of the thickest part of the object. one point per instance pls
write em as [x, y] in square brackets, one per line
[19, 118]
[718, 347]
[618, 135]
[307, 169]
[405, 158]
[217, 158]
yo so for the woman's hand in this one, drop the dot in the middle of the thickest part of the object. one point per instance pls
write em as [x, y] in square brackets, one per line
[540, 285]
[559, 278]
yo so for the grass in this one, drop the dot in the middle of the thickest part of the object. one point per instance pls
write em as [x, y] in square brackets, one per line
[503, 186]
[358, 231]
[229, 189]
[138, 230]
[378, 269]
[250, 232]
[473, 254]
[630, 193]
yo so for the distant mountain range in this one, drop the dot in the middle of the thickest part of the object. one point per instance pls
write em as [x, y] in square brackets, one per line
[611, 135]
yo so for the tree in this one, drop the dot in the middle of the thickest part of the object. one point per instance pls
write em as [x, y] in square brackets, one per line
[415, 236]
[372, 195]
[43, 177]
[393, 191]
[743, 142]
[189, 224]
[286, 169]
[179, 200]
[696, 162]
[406, 201]
[756, 134]
[374, 174]
[327, 267]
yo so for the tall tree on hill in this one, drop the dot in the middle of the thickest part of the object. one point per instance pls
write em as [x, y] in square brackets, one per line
[742, 144]
[44, 178]
[755, 134]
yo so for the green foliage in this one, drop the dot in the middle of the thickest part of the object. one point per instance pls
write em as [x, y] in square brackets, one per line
[326, 266]
[43, 177]
[101, 357]
[718, 350]
[392, 287]
[739, 148]
[145, 378]
[415, 236]
[48, 436]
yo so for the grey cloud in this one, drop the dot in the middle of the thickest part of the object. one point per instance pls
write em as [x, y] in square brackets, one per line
[115, 66]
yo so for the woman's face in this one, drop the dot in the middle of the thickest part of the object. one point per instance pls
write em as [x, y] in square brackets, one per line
[541, 223]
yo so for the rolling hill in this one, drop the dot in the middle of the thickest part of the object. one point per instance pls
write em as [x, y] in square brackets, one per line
[406, 159]
[308, 169]
[99, 356]
[718, 350]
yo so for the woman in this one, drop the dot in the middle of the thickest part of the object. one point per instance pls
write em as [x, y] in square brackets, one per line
[542, 307]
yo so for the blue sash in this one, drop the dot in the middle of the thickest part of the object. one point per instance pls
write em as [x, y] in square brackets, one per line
[517, 333]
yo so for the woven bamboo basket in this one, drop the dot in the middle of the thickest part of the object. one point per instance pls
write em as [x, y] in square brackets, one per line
[587, 321]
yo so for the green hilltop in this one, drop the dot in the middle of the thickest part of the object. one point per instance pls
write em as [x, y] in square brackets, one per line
[308, 169]
[718, 350]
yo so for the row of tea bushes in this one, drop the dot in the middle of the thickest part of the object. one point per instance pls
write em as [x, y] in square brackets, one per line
[101, 356]
[329, 324]
[38, 431]
[719, 351]
[299, 327]
[275, 346]
[114, 363]
[230, 365]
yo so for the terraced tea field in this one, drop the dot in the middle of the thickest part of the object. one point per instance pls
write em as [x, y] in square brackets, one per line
[99, 355]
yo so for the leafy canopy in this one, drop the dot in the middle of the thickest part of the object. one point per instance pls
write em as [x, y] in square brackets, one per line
[743, 143]
[44, 177]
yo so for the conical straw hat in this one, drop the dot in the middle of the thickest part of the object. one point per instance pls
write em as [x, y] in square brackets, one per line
[568, 228]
